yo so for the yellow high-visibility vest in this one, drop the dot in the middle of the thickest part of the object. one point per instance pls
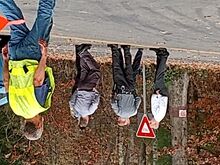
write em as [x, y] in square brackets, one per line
[22, 97]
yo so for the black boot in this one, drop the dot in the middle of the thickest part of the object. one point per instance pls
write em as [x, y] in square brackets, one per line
[81, 48]
[87, 46]
[126, 47]
[112, 45]
[140, 49]
[160, 51]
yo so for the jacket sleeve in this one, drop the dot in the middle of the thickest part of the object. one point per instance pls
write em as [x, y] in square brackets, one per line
[137, 102]
[114, 104]
[72, 101]
[95, 103]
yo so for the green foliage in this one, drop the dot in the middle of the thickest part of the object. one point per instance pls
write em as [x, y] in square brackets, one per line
[4, 162]
[202, 74]
[9, 134]
[163, 137]
[172, 74]
[163, 140]
[164, 160]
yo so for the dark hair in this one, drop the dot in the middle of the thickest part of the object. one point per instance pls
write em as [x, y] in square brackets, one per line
[30, 128]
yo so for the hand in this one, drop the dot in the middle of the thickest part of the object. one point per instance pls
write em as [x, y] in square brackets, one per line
[158, 92]
[5, 53]
[154, 124]
[123, 121]
[43, 45]
[72, 82]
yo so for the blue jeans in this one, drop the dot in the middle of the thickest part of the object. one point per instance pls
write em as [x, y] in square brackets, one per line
[24, 42]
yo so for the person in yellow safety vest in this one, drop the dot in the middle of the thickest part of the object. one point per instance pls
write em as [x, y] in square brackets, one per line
[27, 79]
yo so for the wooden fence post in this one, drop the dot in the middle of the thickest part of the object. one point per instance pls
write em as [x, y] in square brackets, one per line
[178, 116]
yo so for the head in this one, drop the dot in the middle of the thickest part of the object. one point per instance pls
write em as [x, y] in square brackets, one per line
[33, 128]
[83, 122]
[123, 121]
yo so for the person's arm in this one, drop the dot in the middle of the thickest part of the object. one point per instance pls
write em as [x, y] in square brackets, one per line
[95, 104]
[137, 102]
[84, 69]
[6, 75]
[72, 102]
[163, 108]
[39, 75]
[114, 105]
[77, 75]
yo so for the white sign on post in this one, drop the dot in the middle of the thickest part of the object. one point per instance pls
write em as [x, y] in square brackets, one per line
[182, 113]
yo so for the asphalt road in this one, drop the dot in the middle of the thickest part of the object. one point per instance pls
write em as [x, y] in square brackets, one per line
[181, 24]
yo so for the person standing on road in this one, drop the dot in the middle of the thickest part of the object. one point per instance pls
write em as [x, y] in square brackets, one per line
[27, 79]
[85, 98]
[125, 101]
[159, 99]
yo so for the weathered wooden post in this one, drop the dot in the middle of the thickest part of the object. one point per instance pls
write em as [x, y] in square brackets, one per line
[177, 109]
[121, 151]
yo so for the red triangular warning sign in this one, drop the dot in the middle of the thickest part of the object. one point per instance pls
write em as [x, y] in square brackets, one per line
[144, 129]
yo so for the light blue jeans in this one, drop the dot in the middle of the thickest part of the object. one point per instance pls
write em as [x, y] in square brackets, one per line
[24, 42]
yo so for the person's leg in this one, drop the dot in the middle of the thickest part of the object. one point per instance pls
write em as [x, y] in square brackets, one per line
[78, 68]
[128, 67]
[121, 61]
[41, 30]
[159, 82]
[44, 21]
[117, 70]
[137, 62]
[18, 32]
[121, 58]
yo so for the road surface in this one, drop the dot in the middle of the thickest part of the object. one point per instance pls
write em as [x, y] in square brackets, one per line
[179, 25]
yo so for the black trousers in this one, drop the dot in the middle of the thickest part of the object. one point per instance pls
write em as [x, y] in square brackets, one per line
[124, 73]
[159, 80]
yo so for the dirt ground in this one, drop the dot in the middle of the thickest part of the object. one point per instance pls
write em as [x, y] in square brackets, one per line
[189, 29]
[63, 143]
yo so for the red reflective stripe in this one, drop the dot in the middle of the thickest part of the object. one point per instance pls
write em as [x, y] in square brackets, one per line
[16, 22]
[4, 22]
